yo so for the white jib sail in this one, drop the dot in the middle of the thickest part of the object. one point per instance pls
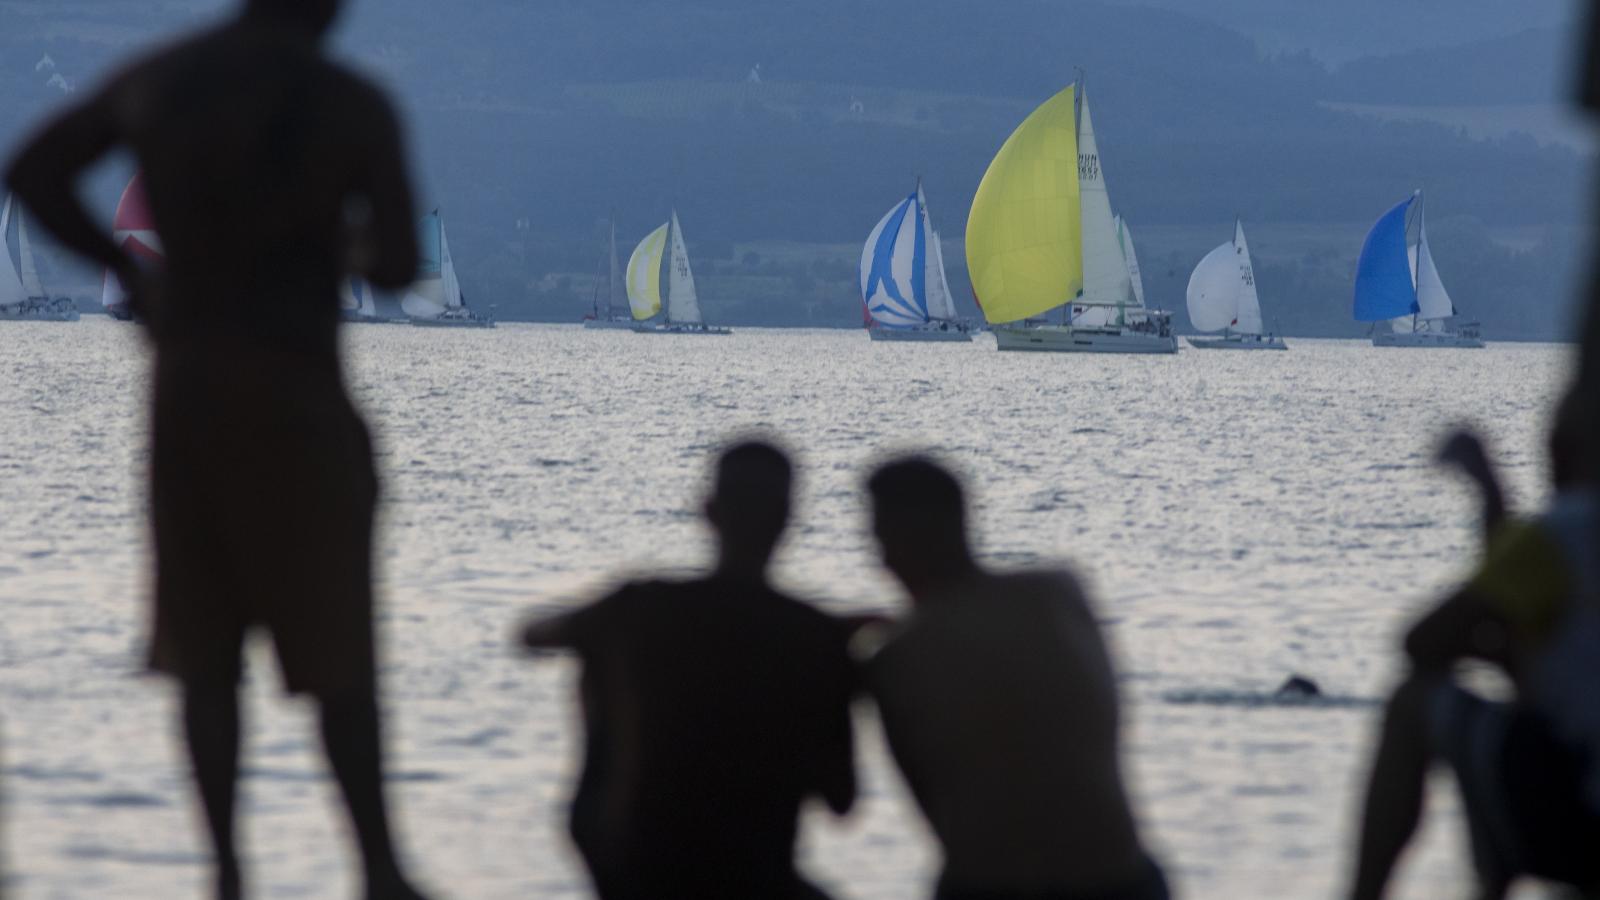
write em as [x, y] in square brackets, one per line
[1105, 272]
[1249, 313]
[935, 286]
[1213, 294]
[11, 290]
[1135, 277]
[644, 274]
[683, 304]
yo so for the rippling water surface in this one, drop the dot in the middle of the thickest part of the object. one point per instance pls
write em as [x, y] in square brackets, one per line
[1241, 516]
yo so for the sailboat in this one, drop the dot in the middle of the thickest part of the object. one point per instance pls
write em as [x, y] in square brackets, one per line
[1397, 282]
[609, 306]
[22, 296]
[435, 300]
[680, 314]
[1041, 236]
[133, 230]
[903, 286]
[1222, 297]
[357, 303]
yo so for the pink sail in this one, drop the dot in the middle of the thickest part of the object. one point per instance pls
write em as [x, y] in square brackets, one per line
[134, 230]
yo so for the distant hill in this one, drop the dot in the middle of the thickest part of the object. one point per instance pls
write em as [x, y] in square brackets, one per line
[765, 122]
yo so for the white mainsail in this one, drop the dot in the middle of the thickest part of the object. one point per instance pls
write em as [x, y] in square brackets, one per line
[11, 289]
[644, 273]
[355, 295]
[616, 295]
[1105, 271]
[1433, 301]
[940, 304]
[683, 304]
[447, 272]
[1249, 302]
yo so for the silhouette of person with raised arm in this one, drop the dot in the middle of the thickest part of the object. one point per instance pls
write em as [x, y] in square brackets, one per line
[1528, 769]
[1000, 705]
[713, 708]
[271, 172]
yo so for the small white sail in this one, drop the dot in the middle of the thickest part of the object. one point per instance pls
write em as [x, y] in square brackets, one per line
[11, 289]
[1249, 311]
[1135, 277]
[30, 271]
[644, 273]
[1213, 294]
[1105, 272]
[683, 304]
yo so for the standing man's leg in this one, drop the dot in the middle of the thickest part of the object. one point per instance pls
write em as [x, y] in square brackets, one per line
[211, 730]
[1395, 790]
[350, 735]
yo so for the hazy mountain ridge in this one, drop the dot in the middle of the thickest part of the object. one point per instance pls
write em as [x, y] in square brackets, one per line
[550, 115]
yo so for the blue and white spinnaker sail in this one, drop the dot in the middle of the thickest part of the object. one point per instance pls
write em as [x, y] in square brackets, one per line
[1396, 277]
[902, 269]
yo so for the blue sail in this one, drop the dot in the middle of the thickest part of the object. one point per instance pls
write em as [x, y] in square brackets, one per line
[894, 267]
[428, 249]
[1384, 286]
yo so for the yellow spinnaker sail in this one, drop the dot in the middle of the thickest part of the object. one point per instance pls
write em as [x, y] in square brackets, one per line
[644, 274]
[1024, 247]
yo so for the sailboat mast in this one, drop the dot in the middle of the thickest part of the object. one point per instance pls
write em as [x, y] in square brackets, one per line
[1067, 316]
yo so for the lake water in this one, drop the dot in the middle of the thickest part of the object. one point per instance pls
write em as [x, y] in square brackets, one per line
[1240, 516]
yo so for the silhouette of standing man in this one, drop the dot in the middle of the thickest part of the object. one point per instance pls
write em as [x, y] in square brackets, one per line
[271, 173]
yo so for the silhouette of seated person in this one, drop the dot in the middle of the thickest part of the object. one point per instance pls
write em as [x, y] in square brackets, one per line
[713, 708]
[271, 174]
[1528, 769]
[1000, 705]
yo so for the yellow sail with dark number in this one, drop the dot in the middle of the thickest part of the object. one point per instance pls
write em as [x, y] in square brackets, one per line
[1024, 250]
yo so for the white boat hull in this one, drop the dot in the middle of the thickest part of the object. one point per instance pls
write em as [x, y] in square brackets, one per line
[1240, 342]
[681, 328]
[1426, 339]
[453, 322]
[610, 324]
[924, 333]
[1066, 339]
[40, 311]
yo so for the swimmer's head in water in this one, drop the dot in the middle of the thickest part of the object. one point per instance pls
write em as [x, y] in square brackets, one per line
[315, 16]
[749, 502]
[919, 516]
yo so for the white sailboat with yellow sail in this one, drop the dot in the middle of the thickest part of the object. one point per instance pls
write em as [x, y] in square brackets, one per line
[680, 313]
[1041, 236]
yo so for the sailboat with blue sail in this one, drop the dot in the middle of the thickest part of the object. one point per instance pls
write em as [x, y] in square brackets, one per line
[903, 284]
[435, 299]
[1398, 283]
